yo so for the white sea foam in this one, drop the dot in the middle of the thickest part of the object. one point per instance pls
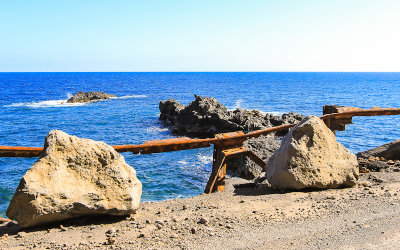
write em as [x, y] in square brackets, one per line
[183, 162]
[275, 113]
[205, 159]
[45, 104]
[130, 96]
[62, 103]
[156, 130]
[239, 104]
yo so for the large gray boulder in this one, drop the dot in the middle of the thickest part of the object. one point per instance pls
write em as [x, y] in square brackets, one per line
[74, 177]
[310, 157]
[389, 151]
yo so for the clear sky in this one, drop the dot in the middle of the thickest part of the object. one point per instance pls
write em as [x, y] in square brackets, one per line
[200, 35]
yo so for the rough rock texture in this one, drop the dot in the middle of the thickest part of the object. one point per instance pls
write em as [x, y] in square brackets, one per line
[89, 96]
[389, 151]
[376, 164]
[74, 177]
[205, 117]
[310, 157]
[243, 167]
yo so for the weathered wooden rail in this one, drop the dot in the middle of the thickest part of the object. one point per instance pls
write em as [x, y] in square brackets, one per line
[227, 145]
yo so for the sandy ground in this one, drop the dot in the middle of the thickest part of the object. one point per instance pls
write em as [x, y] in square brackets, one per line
[366, 216]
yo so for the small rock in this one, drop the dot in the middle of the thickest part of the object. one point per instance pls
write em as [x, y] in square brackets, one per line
[331, 197]
[159, 222]
[21, 234]
[111, 231]
[110, 240]
[203, 221]
[229, 226]
[141, 235]
[63, 228]
[364, 183]
[193, 230]
[174, 236]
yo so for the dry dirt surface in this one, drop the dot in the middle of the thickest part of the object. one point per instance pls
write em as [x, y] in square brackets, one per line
[246, 217]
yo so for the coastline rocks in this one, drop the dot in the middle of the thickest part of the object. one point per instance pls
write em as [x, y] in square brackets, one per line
[264, 147]
[205, 117]
[89, 97]
[389, 151]
[74, 177]
[310, 157]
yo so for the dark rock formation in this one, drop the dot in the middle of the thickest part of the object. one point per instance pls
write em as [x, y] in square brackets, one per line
[264, 147]
[378, 165]
[89, 96]
[389, 151]
[205, 117]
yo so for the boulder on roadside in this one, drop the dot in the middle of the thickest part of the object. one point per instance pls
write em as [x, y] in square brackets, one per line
[74, 177]
[89, 97]
[310, 157]
[389, 151]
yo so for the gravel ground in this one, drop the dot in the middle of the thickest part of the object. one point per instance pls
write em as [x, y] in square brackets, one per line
[246, 217]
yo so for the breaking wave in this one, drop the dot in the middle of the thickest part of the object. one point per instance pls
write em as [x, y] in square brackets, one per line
[129, 96]
[45, 104]
[63, 103]
[156, 130]
[205, 159]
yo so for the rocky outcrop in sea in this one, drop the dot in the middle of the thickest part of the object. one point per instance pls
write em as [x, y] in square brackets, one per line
[89, 97]
[205, 117]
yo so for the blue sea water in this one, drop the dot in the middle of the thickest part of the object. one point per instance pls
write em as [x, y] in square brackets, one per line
[31, 106]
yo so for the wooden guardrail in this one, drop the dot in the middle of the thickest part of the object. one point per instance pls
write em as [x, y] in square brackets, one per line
[226, 145]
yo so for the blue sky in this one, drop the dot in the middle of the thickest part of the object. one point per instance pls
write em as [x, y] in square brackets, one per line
[201, 35]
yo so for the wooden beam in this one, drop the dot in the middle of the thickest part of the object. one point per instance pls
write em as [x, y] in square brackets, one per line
[226, 139]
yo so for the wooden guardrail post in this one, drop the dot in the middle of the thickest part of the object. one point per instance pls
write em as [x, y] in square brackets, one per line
[216, 182]
[230, 145]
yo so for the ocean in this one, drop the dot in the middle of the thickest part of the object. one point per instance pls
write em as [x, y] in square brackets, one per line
[32, 104]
